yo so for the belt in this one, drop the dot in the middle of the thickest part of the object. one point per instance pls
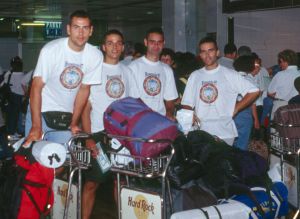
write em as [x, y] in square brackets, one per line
[277, 99]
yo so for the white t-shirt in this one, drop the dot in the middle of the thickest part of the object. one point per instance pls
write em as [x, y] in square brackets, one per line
[283, 83]
[213, 93]
[27, 78]
[63, 70]
[155, 82]
[15, 82]
[117, 82]
[263, 80]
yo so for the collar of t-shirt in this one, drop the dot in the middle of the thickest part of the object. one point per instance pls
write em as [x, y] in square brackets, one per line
[110, 65]
[212, 71]
[149, 62]
[292, 67]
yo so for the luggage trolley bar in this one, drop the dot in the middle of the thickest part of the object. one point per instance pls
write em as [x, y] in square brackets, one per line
[78, 158]
[287, 146]
[143, 167]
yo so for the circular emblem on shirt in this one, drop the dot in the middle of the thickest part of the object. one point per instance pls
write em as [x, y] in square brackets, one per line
[71, 77]
[152, 85]
[115, 88]
[208, 93]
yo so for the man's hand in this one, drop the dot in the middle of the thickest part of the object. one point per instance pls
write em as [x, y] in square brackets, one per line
[272, 95]
[75, 129]
[35, 134]
[171, 117]
[91, 145]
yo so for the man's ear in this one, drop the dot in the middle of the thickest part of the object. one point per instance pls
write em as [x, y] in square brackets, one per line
[145, 42]
[68, 29]
[103, 47]
[91, 31]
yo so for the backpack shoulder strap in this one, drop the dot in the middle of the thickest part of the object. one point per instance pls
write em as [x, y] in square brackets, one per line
[9, 77]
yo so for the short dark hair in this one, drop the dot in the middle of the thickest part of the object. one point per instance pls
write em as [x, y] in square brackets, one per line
[230, 48]
[244, 63]
[157, 30]
[289, 56]
[297, 84]
[244, 51]
[81, 14]
[16, 64]
[113, 31]
[208, 39]
[167, 51]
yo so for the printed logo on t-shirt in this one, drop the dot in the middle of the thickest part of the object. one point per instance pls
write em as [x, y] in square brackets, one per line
[152, 84]
[114, 86]
[71, 77]
[208, 92]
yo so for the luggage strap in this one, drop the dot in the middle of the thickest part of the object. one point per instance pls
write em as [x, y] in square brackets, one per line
[218, 211]
[43, 213]
[205, 213]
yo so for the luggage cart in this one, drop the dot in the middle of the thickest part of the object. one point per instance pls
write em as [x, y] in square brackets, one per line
[288, 150]
[78, 158]
[142, 167]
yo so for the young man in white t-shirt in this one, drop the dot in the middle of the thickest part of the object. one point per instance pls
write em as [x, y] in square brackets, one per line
[155, 80]
[212, 92]
[66, 69]
[117, 82]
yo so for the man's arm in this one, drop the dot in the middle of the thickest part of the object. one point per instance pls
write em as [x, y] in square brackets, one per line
[80, 102]
[246, 101]
[35, 108]
[86, 127]
[255, 116]
[170, 106]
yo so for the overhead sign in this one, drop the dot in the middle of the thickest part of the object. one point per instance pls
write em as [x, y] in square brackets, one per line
[53, 30]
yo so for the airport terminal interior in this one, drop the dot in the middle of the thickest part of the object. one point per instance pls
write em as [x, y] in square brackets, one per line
[270, 29]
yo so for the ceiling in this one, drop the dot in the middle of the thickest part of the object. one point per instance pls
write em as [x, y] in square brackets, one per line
[108, 11]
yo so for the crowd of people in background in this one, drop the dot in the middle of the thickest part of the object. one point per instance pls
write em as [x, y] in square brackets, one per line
[232, 95]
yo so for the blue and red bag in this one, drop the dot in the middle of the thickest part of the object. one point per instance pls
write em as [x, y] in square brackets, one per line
[133, 118]
[273, 204]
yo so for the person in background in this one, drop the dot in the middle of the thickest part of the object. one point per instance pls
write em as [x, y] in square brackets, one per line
[296, 99]
[128, 53]
[167, 56]
[139, 51]
[117, 83]
[262, 79]
[155, 80]
[281, 88]
[65, 70]
[14, 76]
[248, 66]
[230, 54]
[244, 51]
[212, 92]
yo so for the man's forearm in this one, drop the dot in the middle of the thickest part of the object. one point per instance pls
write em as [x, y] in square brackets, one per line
[246, 101]
[170, 107]
[36, 102]
[80, 102]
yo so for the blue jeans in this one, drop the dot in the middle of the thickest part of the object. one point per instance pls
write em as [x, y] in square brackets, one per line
[56, 136]
[244, 122]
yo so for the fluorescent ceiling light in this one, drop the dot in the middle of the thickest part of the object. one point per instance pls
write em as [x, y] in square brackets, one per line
[39, 22]
[33, 24]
